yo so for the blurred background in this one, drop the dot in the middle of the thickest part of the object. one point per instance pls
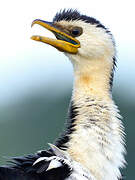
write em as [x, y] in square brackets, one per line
[36, 79]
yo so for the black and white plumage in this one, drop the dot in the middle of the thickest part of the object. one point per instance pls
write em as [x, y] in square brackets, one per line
[45, 165]
[92, 147]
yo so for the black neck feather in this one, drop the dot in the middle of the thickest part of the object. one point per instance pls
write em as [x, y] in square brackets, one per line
[65, 136]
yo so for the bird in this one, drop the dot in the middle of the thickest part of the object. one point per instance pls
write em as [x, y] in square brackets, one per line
[92, 146]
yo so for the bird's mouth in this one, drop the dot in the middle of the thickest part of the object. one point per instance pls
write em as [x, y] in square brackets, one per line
[64, 42]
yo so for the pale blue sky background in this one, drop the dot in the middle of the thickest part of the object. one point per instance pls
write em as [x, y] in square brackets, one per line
[27, 66]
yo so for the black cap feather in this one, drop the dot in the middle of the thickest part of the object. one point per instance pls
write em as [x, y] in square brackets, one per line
[72, 15]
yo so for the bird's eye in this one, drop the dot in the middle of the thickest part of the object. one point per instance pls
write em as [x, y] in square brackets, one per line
[76, 31]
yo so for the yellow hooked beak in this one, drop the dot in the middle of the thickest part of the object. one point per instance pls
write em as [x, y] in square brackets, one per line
[64, 42]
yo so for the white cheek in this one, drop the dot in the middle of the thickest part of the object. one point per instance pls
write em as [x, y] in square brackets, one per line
[95, 43]
[91, 49]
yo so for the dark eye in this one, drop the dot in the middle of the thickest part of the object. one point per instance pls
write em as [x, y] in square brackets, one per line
[76, 31]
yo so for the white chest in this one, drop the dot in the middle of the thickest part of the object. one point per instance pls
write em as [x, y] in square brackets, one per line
[97, 144]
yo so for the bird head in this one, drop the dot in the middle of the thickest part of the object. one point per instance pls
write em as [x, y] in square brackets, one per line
[83, 39]
[78, 35]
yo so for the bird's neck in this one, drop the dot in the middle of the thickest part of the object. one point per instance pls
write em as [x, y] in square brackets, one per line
[96, 141]
[92, 78]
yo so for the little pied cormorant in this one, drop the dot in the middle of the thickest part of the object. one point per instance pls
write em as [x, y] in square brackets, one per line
[92, 147]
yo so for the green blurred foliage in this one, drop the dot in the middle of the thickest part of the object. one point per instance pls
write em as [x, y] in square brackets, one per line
[28, 125]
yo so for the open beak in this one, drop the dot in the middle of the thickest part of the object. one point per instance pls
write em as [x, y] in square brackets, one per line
[64, 42]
